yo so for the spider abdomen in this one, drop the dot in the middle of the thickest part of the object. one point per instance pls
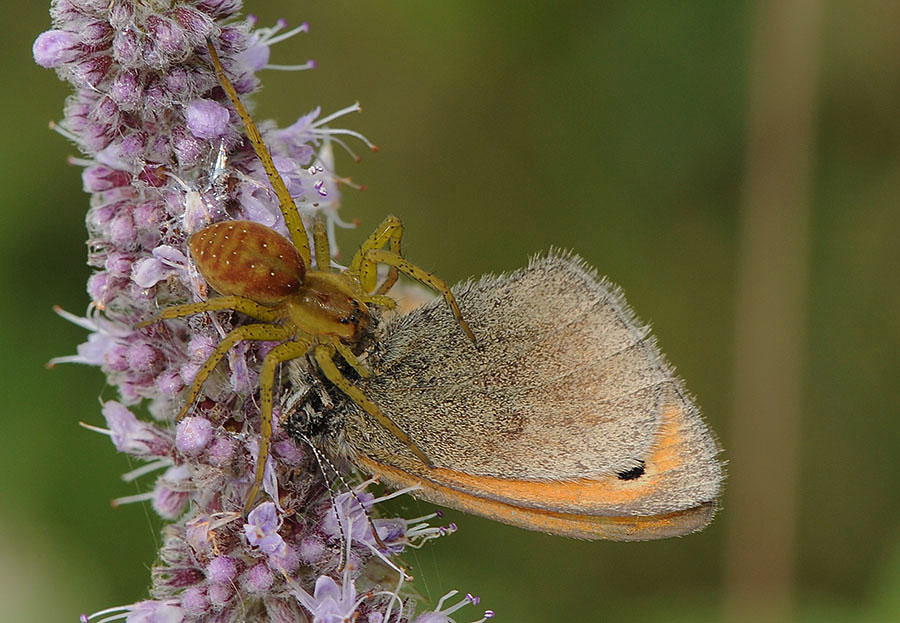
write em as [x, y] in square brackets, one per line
[243, 258]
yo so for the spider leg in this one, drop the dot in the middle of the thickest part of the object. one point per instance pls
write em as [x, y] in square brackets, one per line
[383, 256]
[389, 232]
[380, 299]
[282, 352]
[350, 358]
[237, 303]
[285, 202]
[266, 332]
[324, 354]
[320, 242]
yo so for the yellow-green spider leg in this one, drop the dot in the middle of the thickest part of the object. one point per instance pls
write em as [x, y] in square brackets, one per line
[350, 358]
[265, 332]
[380, 300]
[390, 258]
[389, 232]
[324, 354]
[219, 303]
[286, 203]
[320, 243]
[282, 352]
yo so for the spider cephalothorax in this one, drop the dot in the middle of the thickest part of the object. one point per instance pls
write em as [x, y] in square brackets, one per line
[319, 312]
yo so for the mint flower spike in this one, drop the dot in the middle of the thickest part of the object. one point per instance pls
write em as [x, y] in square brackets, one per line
[162, 156]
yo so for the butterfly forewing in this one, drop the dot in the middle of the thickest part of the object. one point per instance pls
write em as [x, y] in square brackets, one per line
[569, 407]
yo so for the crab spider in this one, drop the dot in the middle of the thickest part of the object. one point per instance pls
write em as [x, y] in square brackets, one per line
[320, 312]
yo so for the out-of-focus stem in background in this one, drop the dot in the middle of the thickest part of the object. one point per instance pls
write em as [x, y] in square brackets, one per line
[772, 288]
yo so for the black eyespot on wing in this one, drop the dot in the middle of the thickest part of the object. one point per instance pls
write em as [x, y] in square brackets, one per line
[633, 473]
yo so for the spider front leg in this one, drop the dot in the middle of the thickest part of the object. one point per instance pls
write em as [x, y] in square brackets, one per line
[285, 202]
[383, 256]
[350, 358]
[282, 352]
[389, 232]
[324, 354]
[263, 332]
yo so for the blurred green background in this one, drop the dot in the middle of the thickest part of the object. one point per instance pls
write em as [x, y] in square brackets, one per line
[617, 129]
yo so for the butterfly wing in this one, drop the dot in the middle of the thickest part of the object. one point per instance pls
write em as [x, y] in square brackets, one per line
[567, 419]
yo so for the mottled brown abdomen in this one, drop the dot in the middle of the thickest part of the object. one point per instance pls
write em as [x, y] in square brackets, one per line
[243, 258]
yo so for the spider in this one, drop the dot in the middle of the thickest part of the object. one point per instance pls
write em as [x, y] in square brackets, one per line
[319, 312]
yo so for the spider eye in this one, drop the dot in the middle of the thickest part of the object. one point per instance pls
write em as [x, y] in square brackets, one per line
[344, 320]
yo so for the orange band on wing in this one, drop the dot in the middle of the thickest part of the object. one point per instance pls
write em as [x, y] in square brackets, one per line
[589, 495]
[638, 528]
[585, 508]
